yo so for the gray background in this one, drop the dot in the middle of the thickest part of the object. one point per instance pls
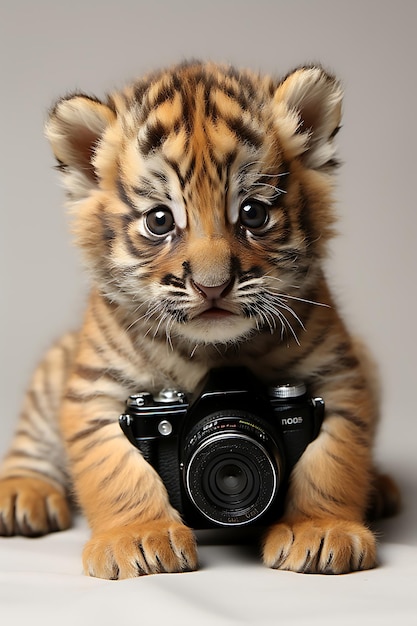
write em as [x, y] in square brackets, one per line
[50, 48]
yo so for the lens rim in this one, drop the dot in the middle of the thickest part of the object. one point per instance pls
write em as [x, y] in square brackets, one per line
[249, 513]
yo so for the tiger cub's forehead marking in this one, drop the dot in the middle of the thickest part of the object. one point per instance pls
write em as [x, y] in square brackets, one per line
[198, 128]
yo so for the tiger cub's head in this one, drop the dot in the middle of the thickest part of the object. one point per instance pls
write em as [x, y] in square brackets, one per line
[201, 195]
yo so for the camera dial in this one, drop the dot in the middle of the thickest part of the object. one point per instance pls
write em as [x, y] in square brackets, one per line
[169, 395]
[289, 390]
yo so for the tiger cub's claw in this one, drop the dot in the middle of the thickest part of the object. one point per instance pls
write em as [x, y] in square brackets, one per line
[31, 507]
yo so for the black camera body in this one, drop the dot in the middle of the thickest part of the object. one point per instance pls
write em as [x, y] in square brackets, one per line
[225, 455]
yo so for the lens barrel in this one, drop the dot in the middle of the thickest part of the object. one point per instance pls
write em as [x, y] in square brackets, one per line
[232, 468]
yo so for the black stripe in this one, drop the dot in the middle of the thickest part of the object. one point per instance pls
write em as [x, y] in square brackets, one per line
[24, 454]
[306, 224]
[187, 112]
[116, 471]
[171, 279]
[108, 233]
[176, 169]
[114, 345]
[93, 374]
[89, 373]
[144, 188]
[144, 251]
[244, 133]
[120, 500]
[160, 176]
[90, 468]
[253, 272]
[30, 431]
[140, 89]
[245, 92]
[337, 365]
[190, 170]
[34, 399]
[164, 183]
[20, 471]
[357, 438]
[187, 269]
[282, 230]
[339, 460]
[155, 134]
[79, 398]
[180, 316]
[220, 166]
[323, 494]
[308, 350]
[331, 163]
[111, 103]
[123, 194]
[92, 443]
[350, 417]
[95, 426]
[165, 94]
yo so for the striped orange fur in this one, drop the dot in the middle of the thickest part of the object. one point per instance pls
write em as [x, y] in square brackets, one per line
[201, 199]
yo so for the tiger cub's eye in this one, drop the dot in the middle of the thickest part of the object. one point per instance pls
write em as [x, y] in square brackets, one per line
[159, 221]
[253, 214]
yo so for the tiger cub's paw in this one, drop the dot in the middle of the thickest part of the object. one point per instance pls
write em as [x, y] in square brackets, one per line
[320, 547]
[138, 549]
[31, 507]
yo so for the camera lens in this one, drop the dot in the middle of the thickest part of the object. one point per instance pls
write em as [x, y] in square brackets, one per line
[232, 471]
[231, 481]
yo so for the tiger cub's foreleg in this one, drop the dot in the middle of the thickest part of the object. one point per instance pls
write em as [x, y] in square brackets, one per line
[135, 530]
[33, 479]
[323, 529]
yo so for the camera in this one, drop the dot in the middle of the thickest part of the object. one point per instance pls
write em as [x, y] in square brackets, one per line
[226, 453]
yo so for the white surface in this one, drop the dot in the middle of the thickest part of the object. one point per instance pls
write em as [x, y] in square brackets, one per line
[40, 583]
[48, 48]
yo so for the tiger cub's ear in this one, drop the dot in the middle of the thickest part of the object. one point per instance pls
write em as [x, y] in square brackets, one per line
[74, 128]
[313, 99]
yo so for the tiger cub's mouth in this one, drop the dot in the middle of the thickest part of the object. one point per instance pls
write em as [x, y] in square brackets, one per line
[215, 313]
[213, 297]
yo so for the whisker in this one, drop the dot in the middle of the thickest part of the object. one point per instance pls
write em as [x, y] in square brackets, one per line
[170, 323]
[289, 326]
[276, 189]
[261, 175]
[217, 349]
[284, 295]
[162, 317]
[194, 350]
[146, 316]
[298, 299]
[293, 313]
[269, 313]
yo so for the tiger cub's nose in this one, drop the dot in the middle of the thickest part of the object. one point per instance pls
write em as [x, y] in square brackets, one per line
[215, 292]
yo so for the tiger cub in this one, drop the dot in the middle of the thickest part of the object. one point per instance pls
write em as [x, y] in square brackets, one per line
[201, 199]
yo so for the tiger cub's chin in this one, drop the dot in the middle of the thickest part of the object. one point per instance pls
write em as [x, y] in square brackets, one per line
[217, 326]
